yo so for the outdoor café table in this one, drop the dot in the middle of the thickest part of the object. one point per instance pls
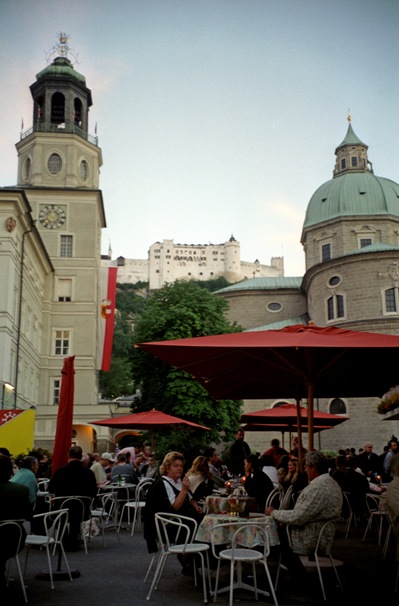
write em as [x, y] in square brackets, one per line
[221, 504]
[224, 535]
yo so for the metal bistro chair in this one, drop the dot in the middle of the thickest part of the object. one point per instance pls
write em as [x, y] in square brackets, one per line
[77, 506]
[238, 554]
[351, 515]
[10, 537]
[136, 505]
[376, 512]
[106, 514]
[320, 562]
[184, 529]
[275, 497]
[55, 523]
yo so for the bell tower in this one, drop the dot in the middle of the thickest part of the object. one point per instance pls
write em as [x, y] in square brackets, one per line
[58, 150]
[58, 170]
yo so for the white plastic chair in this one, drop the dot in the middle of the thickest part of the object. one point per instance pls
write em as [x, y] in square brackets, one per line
[11, 534]
[55, 523]
[136, 505]
[184, 529]
[238, 554]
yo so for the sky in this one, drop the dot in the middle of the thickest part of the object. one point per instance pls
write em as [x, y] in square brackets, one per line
[215, 117]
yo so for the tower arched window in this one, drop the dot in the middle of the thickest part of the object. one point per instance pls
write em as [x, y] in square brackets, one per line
[335, 307]
[57, 108]
[77, 112]
[337, 407]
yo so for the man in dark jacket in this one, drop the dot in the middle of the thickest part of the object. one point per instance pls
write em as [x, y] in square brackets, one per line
[257, 483]
[74, 480]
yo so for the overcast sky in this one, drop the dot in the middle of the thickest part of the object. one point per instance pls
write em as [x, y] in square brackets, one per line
[215, 117]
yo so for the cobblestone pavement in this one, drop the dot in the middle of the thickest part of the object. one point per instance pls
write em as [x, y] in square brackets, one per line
[114, 575]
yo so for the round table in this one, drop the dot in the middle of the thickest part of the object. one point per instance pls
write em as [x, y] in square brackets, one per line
[225, 534]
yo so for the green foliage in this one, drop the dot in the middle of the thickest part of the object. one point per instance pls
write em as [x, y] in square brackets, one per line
[182, 310]
[212, 285]
[118, 381]
[130, 298]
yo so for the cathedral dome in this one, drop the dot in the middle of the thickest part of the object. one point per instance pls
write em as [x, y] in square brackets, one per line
[353, 194]
[354, 189]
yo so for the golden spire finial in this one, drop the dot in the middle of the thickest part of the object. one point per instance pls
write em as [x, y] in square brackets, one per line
[349, 116]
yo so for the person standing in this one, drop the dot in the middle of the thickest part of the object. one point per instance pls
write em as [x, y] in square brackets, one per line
[239, 450]
[393, 449]
[276, 452]
[368, 460]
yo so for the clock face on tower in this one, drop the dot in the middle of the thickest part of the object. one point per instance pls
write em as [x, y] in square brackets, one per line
[52, 216]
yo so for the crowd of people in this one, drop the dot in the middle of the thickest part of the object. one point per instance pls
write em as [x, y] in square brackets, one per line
[315, 484]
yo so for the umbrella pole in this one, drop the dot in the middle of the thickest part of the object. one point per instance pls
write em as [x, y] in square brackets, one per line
[310, 416]
[299, 422]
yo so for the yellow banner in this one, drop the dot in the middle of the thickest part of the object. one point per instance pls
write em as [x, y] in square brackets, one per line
[17, 433]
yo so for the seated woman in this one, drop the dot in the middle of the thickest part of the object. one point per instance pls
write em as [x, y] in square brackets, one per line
[27, 476]
[199, 475]
[257, 483]
[168, 494]
[295, 478]
[282, 469]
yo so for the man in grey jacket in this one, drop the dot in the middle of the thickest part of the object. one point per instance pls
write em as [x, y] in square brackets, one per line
[319, 502]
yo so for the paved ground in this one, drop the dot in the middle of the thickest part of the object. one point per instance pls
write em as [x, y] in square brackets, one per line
[114, 575]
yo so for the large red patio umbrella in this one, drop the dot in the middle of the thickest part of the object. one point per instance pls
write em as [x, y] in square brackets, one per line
[63, 433]
[285, 418]
[294, 362]
[150, 420]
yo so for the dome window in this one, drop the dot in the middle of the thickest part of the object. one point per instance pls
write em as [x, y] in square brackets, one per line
[334, 281]
[354, 161]
[274, 307]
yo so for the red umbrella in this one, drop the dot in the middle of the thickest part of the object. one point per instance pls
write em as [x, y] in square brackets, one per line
[63, 433]
[150, 420]
[285, 418]
[294, 362]
[287, 414]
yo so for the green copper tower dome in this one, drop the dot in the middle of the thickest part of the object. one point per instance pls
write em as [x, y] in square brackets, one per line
[354, 190]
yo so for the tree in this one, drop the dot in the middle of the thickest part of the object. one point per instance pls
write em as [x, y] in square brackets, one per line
[182, 310]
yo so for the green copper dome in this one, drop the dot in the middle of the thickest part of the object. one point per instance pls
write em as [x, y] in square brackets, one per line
[353, 194]
[354, 190]
[61, 67]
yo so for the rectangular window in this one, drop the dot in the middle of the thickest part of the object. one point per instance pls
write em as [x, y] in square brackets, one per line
[340, 306]
[330, 309]
[61, 344]
[56, 391]
[390, 301]
[343, 163]
[66, 245]
[63, 289]
[365, 242]
[326, 252]
[354, 161]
